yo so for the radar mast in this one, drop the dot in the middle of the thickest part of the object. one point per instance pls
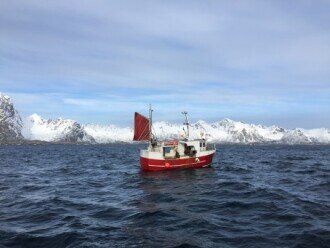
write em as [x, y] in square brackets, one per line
[185, 113]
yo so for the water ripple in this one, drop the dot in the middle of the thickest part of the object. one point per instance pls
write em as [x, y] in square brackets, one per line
[96, 196]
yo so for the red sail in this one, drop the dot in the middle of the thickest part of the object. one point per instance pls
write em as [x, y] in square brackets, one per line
[141, 127]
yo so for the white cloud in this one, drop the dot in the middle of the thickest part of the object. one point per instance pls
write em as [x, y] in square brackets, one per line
[255, 52]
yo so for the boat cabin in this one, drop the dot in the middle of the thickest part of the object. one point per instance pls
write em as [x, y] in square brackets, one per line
[180, 148]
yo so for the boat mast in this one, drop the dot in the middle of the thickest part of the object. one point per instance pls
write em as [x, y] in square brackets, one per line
[185, 113]
[150, 123]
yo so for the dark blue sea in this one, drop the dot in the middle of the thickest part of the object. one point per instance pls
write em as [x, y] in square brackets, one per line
[96, 196]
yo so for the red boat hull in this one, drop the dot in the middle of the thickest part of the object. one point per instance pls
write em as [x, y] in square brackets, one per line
[148, 164]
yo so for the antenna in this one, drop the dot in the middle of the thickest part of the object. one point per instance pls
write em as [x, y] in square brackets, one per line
[150, 122]
[185, 113]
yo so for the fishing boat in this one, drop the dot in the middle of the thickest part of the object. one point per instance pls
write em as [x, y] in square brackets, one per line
[179, 153]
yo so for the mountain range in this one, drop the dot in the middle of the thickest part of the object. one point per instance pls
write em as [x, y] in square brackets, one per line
[14, 128]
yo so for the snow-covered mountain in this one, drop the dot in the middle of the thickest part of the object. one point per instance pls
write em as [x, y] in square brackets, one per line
[35, 127]
[59, 130]
[109, 133]
[229, 131]
[10, 121]
[225, 131]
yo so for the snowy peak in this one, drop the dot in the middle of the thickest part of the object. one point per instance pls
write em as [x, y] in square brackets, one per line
[35, 118]
[225, 131]
[296, 136]
[109, 133]
[230, 131]
[10, 121]
[59, 130]
[34, 127]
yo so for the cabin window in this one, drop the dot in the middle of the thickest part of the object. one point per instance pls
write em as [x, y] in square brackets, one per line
[166, 150]
[190, 150]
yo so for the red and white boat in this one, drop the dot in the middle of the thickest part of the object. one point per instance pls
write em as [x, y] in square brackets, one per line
[170, 154]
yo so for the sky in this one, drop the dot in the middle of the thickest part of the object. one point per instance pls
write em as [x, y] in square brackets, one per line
[264, 62]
